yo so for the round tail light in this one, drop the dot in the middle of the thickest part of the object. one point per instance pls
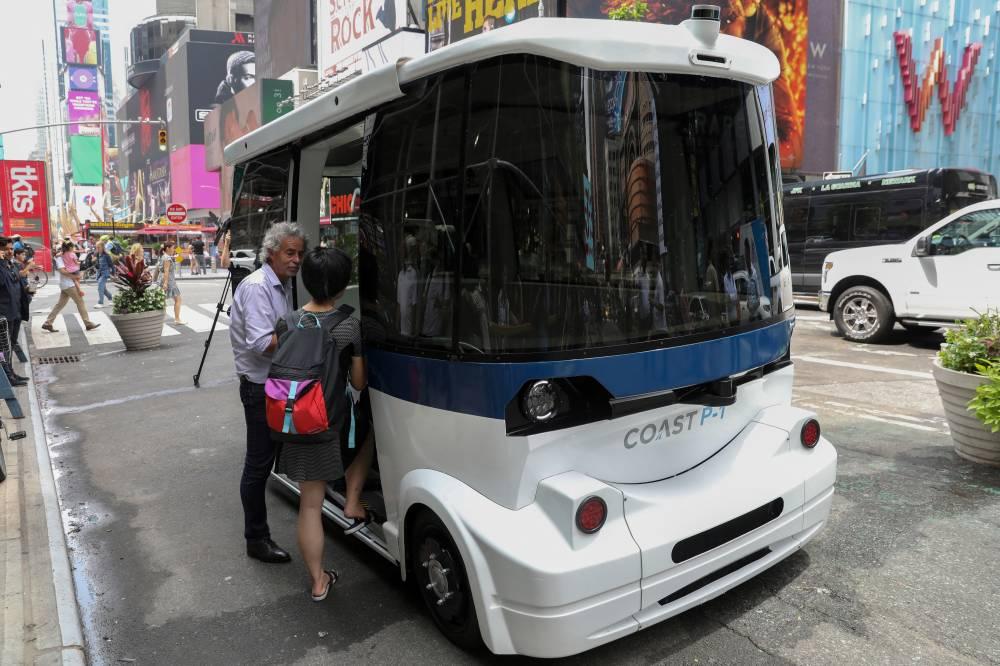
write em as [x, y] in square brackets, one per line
[810, 433]
[591, 514]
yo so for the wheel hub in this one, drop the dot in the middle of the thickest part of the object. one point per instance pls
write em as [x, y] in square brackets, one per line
[860, 315]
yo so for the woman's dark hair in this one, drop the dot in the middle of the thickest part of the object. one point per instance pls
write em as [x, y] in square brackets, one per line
[326, 271]
[68, 245]
[20, 251]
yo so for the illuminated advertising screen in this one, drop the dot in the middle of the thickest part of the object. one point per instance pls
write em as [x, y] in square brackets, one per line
[80, 46]
[82, 77]
[82, 106]
[80, 13]
[450, 21]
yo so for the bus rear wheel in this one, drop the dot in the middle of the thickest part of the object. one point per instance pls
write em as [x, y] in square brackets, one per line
[863, 314]
[443, 584]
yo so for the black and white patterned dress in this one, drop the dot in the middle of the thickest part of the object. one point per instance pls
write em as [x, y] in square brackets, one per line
[322, 461]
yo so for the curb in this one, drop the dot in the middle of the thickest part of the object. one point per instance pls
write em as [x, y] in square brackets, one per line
[70, 627]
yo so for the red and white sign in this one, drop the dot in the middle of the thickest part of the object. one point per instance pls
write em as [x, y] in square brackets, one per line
[176, 213]
[23, 200]
[346, 27]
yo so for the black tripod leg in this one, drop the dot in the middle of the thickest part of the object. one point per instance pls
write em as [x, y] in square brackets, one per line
[218, 310]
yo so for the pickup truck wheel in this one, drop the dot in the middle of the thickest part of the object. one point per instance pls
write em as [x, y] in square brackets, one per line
[863, 314]
[443, 583]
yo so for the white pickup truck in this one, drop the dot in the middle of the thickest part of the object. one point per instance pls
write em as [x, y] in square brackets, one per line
[949, 272]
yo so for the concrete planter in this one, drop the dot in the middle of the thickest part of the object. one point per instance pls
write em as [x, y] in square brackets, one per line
[971, 439]
[140, 330]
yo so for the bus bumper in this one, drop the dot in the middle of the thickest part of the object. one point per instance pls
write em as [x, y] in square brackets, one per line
[547, 590]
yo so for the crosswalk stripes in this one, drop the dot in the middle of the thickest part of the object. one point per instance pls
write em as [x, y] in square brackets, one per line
[198, 322]
[223, 317]
[103, 334]
[70, 326]
[48, 340]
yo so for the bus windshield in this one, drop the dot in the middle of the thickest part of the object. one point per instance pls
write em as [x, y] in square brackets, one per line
[595, 209]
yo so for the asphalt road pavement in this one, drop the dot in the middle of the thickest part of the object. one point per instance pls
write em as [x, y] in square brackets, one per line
[148, 470]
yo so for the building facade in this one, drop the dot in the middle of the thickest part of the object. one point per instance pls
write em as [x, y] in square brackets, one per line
[920, 85]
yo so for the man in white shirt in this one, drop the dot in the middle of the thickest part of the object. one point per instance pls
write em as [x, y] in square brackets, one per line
[69, 286]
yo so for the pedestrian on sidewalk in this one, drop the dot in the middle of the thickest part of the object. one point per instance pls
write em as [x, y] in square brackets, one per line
[10, 306]
[197, 256]
[69, 286]
[168, 279]
[105, 267]
[262, 299]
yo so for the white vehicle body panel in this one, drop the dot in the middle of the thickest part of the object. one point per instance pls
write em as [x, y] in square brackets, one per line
[937, 288]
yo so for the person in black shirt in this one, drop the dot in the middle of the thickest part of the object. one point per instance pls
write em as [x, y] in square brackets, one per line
[198, 256]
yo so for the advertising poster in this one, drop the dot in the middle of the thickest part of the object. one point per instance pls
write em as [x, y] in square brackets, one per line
[272, 20]
[780, 25]
[82, 106]
[80, 46]
[158, 187]
[86, 159]
[347, 27]
[216, 72]
[23, 202]
[82, 77]
[80, 13]
[450, 21]
[88, 200]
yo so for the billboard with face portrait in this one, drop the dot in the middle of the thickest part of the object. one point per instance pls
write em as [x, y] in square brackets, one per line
[80, 46]
[780, 25]
[215, 73]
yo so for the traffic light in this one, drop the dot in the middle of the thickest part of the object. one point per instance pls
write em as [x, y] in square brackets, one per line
[163, 139]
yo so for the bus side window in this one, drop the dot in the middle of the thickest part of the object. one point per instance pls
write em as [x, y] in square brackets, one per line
[867, 223]
[795, 222]
[904, 221]
[828, 223]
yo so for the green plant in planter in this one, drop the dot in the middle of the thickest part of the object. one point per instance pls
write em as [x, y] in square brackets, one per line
[986, 404]
[136, 291]
[974, 348]
[976, 342]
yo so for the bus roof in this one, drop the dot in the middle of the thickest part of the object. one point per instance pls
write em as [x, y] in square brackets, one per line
[595, 43]
[874, 182]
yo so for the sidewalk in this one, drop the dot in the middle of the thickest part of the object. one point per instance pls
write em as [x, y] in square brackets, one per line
[40, 622]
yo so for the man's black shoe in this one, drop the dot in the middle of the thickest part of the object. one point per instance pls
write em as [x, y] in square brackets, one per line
[267, 551]
[17, 377]
[18, 381]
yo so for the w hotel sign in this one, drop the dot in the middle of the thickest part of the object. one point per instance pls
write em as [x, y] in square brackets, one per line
[918, 88]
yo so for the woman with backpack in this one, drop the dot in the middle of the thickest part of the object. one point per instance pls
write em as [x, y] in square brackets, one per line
[318, 351]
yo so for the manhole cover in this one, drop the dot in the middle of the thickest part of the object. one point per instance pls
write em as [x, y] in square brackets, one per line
[49, 360]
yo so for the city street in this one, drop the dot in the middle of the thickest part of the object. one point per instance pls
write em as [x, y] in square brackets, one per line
[148, 470]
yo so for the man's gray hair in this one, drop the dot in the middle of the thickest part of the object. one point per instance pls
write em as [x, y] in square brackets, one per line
[278, 232]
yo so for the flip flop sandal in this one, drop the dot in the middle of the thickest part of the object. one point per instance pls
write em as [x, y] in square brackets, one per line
[358, 523]
[334, 577]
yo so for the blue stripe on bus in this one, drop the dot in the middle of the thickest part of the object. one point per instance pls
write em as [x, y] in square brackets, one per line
[484, 389]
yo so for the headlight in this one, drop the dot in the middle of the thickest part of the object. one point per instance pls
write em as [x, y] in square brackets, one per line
[540, 401]
[828, 265]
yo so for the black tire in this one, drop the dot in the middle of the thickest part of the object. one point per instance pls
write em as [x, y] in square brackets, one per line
[864, 314]
[455, 615]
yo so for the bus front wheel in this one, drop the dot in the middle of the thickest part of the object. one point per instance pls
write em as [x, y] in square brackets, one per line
[443, 584]
[863, 314]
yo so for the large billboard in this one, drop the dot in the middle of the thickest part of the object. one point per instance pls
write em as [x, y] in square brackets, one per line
[346, 27]
[449, 21]
[22, 200]
[80, 46]
[780, 25]
[82, 106]
[86, 159]
[80, 13]
[215, 73]
[280, 27]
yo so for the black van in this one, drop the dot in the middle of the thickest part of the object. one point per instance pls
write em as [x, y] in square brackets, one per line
[827, 215]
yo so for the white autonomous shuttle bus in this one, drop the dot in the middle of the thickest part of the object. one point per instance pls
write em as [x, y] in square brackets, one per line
[576, 301]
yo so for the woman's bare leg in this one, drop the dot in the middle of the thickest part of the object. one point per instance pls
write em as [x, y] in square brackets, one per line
[310, 530]
[356, 476]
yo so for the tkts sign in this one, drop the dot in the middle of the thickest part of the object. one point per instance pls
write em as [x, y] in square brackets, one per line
[22, 196]
[918, 92]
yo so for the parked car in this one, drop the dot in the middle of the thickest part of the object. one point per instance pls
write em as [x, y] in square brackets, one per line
[949, 271]
[244, 258]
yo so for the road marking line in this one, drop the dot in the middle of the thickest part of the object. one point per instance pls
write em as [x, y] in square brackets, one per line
[813, 318]
[882, 419]
[167, 331]
[879, 412]
[211, 308]
[45, 339]
[883, 352]
[862, 366]
[104, 334]
[198, 322]
[871, 417]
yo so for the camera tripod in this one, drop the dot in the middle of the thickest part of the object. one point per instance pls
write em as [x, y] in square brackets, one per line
[233, 277]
